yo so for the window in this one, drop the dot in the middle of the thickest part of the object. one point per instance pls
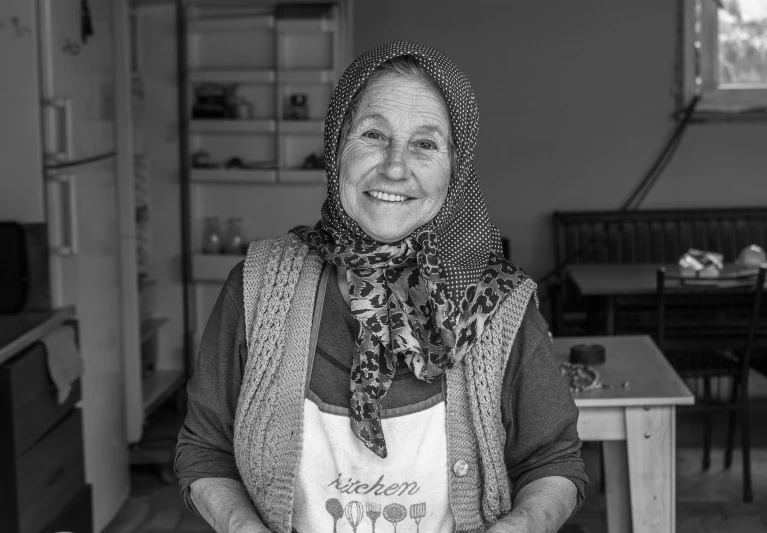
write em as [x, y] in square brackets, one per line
[724, 55]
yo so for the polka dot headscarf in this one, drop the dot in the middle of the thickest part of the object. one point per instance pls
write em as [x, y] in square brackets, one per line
[427, 298]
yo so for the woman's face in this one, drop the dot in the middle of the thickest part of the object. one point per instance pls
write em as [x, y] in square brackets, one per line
[395, 165]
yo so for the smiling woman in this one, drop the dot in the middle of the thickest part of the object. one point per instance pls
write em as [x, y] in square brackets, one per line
[392, 341]
[395, 161]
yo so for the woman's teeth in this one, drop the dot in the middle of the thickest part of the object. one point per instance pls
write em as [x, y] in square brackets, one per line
[386, 197]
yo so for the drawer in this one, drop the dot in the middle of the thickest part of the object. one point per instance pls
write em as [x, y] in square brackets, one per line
[49, 474]
[29, 405]
[77, 517]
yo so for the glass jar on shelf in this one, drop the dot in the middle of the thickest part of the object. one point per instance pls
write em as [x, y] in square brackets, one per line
[212, 242]
[233, 240]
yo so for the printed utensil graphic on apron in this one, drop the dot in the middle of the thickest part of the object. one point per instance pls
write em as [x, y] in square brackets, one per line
[336, 510]
[354, 514]
[394, 513]
[417, 511]
[373, 512]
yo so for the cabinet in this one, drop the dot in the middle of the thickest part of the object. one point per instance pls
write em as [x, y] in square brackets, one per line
[42, 485]
[255, 83]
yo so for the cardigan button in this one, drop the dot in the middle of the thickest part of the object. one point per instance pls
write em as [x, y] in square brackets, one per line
[460, 468]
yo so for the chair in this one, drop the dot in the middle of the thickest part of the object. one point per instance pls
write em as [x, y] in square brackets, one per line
[707, 329]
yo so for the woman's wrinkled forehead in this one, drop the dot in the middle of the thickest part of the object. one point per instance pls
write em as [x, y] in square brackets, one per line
[446, 77]
[422, 104]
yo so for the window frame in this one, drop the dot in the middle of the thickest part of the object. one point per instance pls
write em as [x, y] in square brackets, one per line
[700, 66]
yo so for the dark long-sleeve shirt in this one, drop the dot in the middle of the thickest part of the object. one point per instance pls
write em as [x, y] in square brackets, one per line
[538, 411]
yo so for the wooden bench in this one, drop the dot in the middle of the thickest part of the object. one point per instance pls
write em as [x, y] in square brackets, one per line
[657, 236]
[653, 236]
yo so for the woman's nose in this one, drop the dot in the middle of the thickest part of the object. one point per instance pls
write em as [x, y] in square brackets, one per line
[395, 163]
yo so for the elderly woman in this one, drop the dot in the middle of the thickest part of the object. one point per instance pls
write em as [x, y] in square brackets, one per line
[388, 365]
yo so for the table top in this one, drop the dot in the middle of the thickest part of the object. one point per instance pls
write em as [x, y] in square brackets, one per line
[614, 279]
[634, 359]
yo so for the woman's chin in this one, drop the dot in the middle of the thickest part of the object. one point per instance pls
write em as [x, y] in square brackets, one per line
[390, 238]
[387, 234]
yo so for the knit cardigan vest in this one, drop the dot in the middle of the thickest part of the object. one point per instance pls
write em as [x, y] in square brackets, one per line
[281, 279]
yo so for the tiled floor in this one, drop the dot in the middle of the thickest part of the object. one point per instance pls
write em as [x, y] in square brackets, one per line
[707, 502]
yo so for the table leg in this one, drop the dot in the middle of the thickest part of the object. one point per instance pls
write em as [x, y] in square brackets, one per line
[618, 498]
[609, 315]
[651, 443]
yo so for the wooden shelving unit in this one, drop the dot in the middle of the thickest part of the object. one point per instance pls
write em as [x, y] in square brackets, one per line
[301, 127]
[229, 126]
[225, 24]
[261, 76]
[288, 176]
[307, 76]
[233, 76]
[259, 167]
[222, 176]
[283, 176]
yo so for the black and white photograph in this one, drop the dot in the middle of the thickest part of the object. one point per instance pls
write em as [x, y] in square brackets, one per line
[262, 271]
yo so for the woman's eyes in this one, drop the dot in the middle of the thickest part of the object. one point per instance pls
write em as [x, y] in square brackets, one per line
[426, 145]
[421, 144]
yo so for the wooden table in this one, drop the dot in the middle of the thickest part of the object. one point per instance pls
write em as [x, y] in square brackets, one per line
[637, 425]
[611, 280]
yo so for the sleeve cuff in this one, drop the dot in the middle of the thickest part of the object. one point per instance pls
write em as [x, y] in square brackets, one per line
[579, 480]
[185, 487]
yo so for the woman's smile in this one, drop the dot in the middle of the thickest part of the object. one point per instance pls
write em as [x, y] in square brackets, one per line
[388, 197]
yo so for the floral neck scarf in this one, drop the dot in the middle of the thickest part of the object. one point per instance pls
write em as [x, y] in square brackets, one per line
[429, 297]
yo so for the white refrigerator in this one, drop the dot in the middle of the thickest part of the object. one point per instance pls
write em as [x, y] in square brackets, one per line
[61, 97]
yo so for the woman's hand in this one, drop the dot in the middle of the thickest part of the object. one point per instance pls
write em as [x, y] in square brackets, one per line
[541, 506]
[226, 506]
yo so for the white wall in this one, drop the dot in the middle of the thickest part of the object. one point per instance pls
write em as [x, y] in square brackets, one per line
[22, 196]
[575, 103]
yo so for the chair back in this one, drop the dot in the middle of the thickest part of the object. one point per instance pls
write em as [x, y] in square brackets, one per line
[709, 314]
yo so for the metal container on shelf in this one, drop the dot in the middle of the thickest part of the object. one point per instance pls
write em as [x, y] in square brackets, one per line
[233, 241]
